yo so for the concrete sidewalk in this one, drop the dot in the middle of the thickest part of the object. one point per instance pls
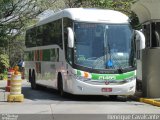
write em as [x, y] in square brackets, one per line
[3, 93]
[3, 83]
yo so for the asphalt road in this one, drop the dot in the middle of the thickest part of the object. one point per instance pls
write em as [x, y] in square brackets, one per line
[48, 104]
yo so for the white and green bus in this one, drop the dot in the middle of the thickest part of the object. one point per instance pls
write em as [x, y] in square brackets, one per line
[82, 51]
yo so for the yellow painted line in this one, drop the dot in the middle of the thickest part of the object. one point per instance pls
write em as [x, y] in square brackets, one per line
[157, 103]
[150, 101]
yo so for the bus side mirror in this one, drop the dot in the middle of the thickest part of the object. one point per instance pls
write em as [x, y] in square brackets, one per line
[139, 44]
[140, 38]
[70, 37]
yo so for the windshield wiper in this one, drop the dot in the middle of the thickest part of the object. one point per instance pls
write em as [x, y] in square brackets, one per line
[107, 51]
[120, 69]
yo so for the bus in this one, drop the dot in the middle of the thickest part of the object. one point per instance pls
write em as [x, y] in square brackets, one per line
[82, 51]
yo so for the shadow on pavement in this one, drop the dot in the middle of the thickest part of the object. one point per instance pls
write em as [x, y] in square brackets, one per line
[44, 93]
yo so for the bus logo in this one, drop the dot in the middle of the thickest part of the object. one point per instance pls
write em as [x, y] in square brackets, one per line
[106, 82]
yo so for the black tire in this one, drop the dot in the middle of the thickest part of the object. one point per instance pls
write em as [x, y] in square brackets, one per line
[125, 98]
[33, 81]
[113, 97]
[60, 86]
[30, 76]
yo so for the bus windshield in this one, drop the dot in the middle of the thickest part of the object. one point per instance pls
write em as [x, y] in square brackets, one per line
[103, 46]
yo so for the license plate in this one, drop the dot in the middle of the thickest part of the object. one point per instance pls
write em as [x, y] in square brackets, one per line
[106, 89]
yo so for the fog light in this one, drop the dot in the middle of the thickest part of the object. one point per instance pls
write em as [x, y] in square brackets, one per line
[80, 88]
[131, 88]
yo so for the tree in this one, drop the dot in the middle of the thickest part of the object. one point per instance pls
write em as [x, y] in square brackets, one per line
[50, 4]
[15, 17]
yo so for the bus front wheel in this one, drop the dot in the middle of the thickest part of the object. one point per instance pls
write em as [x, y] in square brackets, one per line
[60, 85]
[113, 97]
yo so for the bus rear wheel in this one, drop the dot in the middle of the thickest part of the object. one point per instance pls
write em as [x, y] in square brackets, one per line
[113, 97]
[30, 76]
[33, 80]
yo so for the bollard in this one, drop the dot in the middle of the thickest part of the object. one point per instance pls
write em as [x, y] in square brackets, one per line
[15, 88]
[10, 72]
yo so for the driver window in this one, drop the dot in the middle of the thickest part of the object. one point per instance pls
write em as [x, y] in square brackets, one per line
[68, 51]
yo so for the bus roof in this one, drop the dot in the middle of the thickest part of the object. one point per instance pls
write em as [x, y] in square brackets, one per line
[88, 15]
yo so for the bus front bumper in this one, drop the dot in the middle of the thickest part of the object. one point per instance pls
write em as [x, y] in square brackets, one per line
[82, 88]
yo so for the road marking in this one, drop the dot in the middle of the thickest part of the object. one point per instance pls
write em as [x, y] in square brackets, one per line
[150, 101]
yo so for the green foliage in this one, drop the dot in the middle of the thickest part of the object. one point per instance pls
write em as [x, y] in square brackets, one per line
[50, 4]
[4, 64]
[4, 61]
[15, 15]
[135, 21]
[101, 3]
[3, 76]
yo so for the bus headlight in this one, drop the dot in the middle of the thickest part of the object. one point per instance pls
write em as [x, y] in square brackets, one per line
[81, 78]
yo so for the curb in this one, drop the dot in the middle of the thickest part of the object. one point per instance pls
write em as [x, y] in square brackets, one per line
[150, 101]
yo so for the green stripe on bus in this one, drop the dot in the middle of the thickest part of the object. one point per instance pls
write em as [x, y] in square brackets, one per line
[78, 72]
[113, 76]
[95, 76]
